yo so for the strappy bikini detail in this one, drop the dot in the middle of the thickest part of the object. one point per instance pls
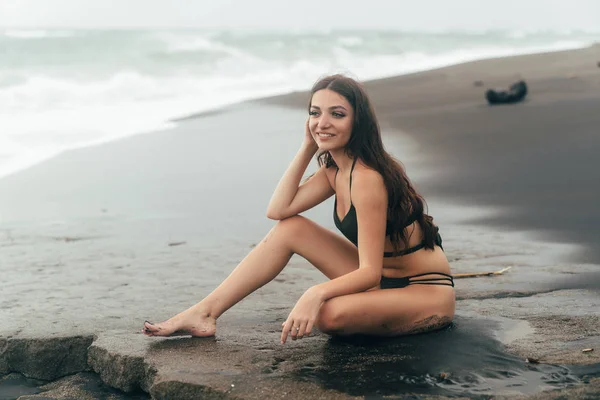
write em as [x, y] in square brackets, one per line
[396, 283]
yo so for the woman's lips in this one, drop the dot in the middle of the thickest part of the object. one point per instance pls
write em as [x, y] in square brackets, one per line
[325, 136]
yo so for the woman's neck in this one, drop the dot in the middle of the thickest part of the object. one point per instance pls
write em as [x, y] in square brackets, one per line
[343, 162]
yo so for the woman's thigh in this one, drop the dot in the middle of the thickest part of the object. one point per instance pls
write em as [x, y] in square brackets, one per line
[389, 312]
[332, 254]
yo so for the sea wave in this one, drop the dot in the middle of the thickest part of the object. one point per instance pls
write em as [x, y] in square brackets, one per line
[66, 89]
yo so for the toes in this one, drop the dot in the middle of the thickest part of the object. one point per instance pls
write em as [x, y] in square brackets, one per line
[146, 332]
[150, 328]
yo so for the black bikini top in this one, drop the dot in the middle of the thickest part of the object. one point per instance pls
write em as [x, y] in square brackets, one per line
[349, 224]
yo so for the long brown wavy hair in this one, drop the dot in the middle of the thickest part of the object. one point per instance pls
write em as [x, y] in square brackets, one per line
[365, 143]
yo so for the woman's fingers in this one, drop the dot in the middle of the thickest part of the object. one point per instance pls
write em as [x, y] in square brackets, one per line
[287, 326]
[295, 329]
[302, 330]
[309, 327]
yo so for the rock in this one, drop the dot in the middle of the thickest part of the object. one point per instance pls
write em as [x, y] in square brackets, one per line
[47, 358]
[82, 386]
[184, 391]
[3, 361]
[119, 360]
[514, 94]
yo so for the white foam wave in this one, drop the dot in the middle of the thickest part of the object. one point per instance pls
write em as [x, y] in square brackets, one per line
[189, 43]
[351, 41]
[44, 115]
[35, 34]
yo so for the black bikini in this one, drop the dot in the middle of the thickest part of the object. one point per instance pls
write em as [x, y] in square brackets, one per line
[349, 228]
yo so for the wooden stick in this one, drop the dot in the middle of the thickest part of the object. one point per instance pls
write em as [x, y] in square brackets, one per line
[476, 274]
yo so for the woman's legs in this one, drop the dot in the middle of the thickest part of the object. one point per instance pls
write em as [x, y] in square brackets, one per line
[389, 312]
[330, 253]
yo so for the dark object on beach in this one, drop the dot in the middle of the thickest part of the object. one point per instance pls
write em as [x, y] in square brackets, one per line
[176, 243]
[514, 94]
[478, 83]
[598, 64]
[532, 361]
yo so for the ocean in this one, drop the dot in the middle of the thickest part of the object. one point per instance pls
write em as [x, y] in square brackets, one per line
[65, 89]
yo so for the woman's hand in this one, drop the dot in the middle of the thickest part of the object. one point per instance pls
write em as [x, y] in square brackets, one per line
[302, 318]
[309, 142]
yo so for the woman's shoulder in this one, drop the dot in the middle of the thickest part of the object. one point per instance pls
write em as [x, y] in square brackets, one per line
[365, 175]
[367, 182]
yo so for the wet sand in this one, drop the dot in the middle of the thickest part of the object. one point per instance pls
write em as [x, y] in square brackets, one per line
[97, 240]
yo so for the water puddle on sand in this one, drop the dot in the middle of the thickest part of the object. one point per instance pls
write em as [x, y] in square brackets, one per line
[13, 386]
[462, 359]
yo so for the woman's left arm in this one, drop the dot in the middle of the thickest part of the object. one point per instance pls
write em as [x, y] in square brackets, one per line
[370, 200]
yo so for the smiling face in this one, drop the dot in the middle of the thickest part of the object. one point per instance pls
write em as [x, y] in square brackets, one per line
[331, 120]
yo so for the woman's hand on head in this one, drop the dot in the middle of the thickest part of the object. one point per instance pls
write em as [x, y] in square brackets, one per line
[309, 141]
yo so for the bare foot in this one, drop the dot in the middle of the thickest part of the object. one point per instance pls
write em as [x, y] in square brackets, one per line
[190, 322]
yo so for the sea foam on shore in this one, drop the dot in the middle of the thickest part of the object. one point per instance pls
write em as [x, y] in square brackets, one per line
[66, 89]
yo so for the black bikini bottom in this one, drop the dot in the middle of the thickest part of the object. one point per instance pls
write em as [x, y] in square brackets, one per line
[396, 283]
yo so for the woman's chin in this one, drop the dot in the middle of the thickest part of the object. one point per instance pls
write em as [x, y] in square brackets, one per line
[327, 147]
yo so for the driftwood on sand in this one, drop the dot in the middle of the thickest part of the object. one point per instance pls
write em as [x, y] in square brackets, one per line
[478, 274]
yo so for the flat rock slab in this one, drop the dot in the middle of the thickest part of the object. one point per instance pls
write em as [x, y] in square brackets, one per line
[469, 357]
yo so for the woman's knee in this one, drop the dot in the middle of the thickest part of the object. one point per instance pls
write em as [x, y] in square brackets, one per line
[330, 319]
[290, 228]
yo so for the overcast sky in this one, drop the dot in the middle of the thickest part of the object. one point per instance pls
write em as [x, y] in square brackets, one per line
[303, 14]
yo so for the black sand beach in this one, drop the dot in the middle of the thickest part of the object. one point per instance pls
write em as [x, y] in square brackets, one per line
[97, 240]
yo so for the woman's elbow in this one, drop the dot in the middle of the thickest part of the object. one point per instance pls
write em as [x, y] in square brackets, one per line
[374, 276]
[274, 215]
[278, 215]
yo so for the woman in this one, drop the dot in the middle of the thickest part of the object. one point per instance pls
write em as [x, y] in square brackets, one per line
[388, 277]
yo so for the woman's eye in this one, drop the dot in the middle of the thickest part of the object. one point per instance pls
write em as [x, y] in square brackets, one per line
[338, 115]
[312, 113]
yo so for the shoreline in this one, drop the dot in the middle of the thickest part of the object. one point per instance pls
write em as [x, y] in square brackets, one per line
[292, 98]
[86, 244]
[213, 110]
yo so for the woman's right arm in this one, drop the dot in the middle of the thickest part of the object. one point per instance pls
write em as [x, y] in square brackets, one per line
[290, 198]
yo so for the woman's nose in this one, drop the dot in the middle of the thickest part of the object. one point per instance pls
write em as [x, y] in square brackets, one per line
[323, 122]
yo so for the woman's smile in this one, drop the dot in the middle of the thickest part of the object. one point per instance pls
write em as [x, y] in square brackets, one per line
[324, 136]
